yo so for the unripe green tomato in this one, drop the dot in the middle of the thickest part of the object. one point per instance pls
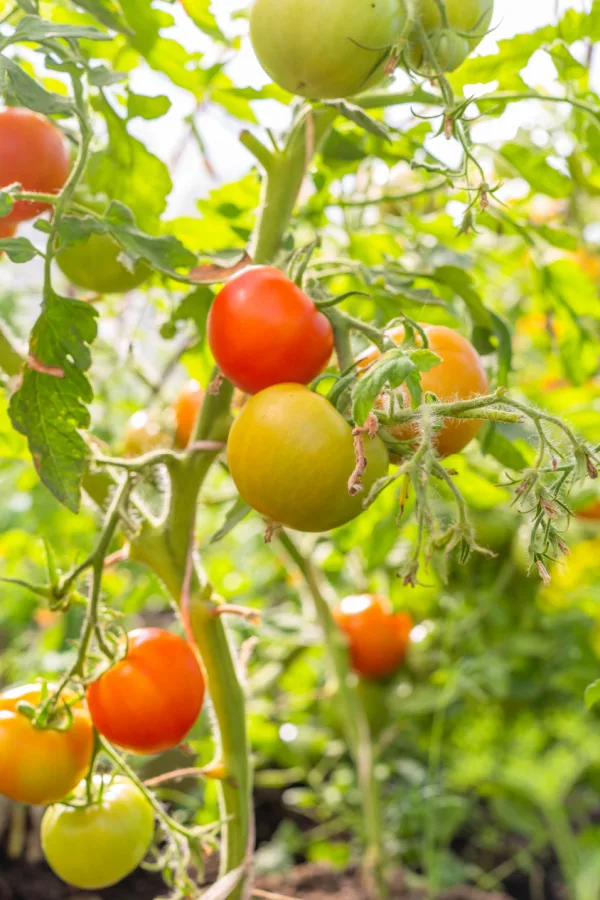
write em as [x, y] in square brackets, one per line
[291, 454]
[324, 49]
[94, 265]
[467, 20]
[96, 846]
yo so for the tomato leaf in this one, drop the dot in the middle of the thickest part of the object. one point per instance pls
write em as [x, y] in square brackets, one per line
[592, 694]
[147, 107]
[32, 28]
[462, 284]
[425, 360]
[107, 12]
[496, 444]
[235, 514]
[18, 250]
[50, 410]
[391, 369]
[29, 93]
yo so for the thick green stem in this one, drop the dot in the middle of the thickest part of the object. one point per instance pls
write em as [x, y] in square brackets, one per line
[356, 724]
[284, 174]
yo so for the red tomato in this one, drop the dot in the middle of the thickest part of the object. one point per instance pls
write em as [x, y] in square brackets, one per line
[186, 409]
[377, 639]
[34, 153]
[42, 765]
[148, 701]
[263, 330]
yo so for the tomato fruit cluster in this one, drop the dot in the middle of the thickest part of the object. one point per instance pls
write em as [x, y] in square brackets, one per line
[34, 154]
[377, 638]
[263, 330]
[459, 376]
[291, 454]
[42, 765]
[467, 21]
[95, 846]
[148, 701]
[323, 50]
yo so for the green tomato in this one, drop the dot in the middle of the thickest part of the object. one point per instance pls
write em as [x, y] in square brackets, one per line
[96, 846]
[324, 49]
[94, 265]
[467, 20]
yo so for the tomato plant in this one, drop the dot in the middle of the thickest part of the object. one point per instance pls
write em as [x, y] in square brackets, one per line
[263, 330]
[33, 153]
[380, 217]
[38, 764]
[377, 639]
[95, 846]
[290, 455]
[323, 51]
[148, 701]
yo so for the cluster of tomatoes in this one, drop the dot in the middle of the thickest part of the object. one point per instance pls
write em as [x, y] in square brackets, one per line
[339, 48]
[48, 745]
[34, 154]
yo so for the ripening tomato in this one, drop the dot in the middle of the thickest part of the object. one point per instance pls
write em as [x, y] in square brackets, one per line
[143, 433]
[93, 847]
[377, 638]
[468, 21]
[93, 264]
[40, 766]
[263, 330]
[325, 50]
[186, 409]
[291, 454]
[148, 701]
[33, 153]
[591, 512]
[459, 376]
[7, 229]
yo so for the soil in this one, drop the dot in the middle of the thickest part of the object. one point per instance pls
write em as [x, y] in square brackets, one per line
[27, 881]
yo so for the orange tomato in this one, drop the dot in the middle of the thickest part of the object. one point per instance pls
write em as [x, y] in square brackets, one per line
[42, 765]
[33, 153]
[591, 512]
[377, 638]
[186, 409]
[459, 376]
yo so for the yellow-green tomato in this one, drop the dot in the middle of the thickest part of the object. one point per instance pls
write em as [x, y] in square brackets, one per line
[93, 264]
[291, 454]
[467, 21]
[96, 846]
[325, 49]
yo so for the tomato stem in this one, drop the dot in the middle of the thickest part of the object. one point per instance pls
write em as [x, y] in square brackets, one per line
[356, 725]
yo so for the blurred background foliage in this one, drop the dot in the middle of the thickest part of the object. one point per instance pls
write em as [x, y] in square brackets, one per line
[490, 761]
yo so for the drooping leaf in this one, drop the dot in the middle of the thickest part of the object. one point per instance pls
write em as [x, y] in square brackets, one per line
[50, 406]
[391, 369]
[235, 514]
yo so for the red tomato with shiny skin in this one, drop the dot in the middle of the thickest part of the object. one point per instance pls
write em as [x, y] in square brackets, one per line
[263, 330]
[148, 701]
[34, 153]
[377, 639]
[186, 409]
[42, 765]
